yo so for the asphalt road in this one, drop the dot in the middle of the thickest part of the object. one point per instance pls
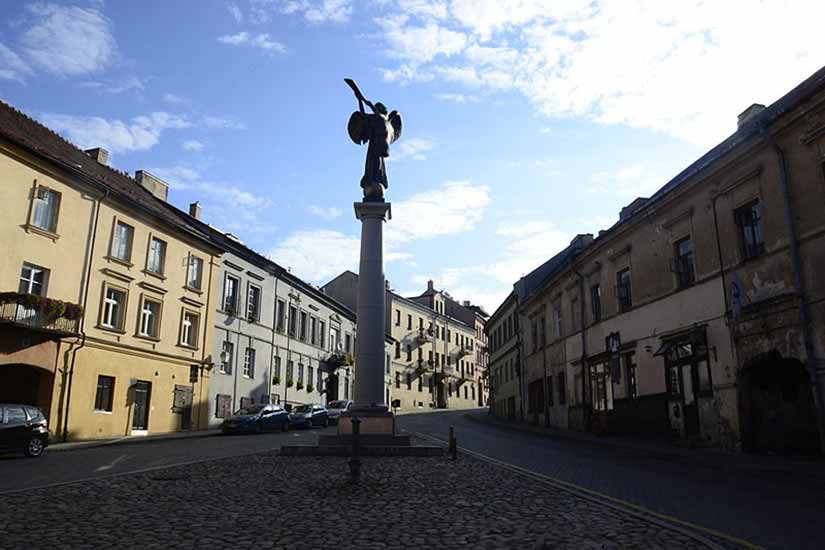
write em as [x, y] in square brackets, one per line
[18, 472]
[763, 510]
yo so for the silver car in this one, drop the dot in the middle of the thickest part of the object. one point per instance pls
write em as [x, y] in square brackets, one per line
[336, 408]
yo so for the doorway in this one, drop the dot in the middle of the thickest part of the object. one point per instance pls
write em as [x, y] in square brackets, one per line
[142, 391]
[332, 388]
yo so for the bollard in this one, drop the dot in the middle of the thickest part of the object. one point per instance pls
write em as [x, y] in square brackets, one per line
[355, 460]
[453, 445]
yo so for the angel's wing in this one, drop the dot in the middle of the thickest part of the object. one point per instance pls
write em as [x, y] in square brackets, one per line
[395, 122]
[357, 128]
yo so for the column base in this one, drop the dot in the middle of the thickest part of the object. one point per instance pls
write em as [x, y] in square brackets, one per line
[373, 421]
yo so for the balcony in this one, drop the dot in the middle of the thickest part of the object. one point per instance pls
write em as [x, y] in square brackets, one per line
[40, 313]
[336, 360]
[424, 336]
[463, 351]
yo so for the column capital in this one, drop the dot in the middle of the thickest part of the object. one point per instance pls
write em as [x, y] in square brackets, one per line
[382, 210]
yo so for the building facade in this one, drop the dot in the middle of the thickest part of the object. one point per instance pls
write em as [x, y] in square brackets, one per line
[505, 360]
[107, 292]
[437, 360]
[699, 315]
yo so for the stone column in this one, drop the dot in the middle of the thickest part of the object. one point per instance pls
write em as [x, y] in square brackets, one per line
[370, 354]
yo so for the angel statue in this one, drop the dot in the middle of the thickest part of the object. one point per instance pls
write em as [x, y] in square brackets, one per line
[379, 129]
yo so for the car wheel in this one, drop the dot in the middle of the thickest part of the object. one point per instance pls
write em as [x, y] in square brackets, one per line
[34, 447]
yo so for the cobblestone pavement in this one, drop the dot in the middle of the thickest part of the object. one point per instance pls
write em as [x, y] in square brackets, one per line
[268, 501]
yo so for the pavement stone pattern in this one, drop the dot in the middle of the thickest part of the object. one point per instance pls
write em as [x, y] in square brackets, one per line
[269, 501]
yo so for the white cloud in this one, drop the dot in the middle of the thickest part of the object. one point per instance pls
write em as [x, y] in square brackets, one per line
[12, 67]
[128, 84]
[192, 145]
[317, 254]
[634, 180]
[456, 207]
[413, 148]
[261, 41]
[325, 213]
[235, 12]
[313, 11]
[231, 123]
[139, 134]
[457, 98]
[68, 40]
[173, 99]
[682, 68]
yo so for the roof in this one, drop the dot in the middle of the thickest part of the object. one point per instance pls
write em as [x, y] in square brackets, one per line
[36, 138]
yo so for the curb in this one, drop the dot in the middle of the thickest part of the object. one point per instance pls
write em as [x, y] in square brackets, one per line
[129, 440]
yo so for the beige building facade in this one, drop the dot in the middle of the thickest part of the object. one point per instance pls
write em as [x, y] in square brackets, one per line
[105, 317]
[699, 316]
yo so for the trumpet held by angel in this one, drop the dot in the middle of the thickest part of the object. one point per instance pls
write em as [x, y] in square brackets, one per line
[378, 129]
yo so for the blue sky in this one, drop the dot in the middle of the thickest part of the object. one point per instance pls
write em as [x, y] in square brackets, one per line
[525, 121]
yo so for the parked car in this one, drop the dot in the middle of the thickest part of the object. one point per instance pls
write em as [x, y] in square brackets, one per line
[257, 419]
[23, 428]
[307, 416]
[336, 408]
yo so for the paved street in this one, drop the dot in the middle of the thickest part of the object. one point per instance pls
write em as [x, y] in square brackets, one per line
[493, 507]
[766, 510]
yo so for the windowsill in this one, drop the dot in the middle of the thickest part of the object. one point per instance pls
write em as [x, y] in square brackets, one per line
[43, 232]
[154, 274]
[120, 261]
[187, 346]
[147, 337]
[114, 330]
[97, 411]
[193, 289]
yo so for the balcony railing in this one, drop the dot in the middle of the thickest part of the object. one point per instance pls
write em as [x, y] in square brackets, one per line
[337, 360]
[424, 336]
[40, 313]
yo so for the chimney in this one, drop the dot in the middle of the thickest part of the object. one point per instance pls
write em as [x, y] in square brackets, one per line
[581, 240]
[154, 185]
[100, 154]
[466, 303]
[748, 114]
[430, 284]
[195, 210]
[631, 208]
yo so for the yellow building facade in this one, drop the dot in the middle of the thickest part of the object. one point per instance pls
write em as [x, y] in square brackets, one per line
[79, 237]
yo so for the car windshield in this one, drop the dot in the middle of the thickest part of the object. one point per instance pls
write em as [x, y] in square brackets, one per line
[337, 404]
[302, 409]
[250, 410]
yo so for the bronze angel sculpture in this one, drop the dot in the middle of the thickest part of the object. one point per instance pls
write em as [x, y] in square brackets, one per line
[379, 129]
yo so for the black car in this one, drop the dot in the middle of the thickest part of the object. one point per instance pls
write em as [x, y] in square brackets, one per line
[23, 428]
[257, 419]
[307, 416]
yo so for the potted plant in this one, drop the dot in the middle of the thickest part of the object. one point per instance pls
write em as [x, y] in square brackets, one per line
[276, 380]
[299, 386]
[289, 383]
[310, 387]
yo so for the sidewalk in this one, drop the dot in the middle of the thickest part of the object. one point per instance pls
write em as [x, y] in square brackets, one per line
[780, 468]
[129, 440]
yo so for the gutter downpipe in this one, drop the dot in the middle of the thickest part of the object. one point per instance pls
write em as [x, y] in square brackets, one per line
[65, 434]
[585, 420]
[804, 313]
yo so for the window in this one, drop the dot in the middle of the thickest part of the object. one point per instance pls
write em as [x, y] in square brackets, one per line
[683, 262]
[189, 329]
[748, 219]
[149, 318]
[397, 380]
[122, 241]
[409, 353]
[398, 317]
[230, 294]
[398, 350]
[550, 391]
[534, 334]
[409, 381]
[45, 209]
[320, 381]
[290, 371]
[346, 387]
[420, 384]
[623, 290]
[388, 364]
[334, 338]
[276, 371]
[249, 363]
[293, 320]
[114, 306]
[194, 273]
[596, 303]
[313, 330]
[574, 314]
[409, 322]
[300, 373]
[630, 369]
[303, 329]
[321, 333]
[557, 318]
[348, 342]
[227, 356]
[562, 388]
[310, 376]
[105, 393]
[280, 311]
[156, 260]
[33, 280]
[253, 303]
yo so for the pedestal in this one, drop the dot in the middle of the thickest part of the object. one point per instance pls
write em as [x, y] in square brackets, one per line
[368, 394]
